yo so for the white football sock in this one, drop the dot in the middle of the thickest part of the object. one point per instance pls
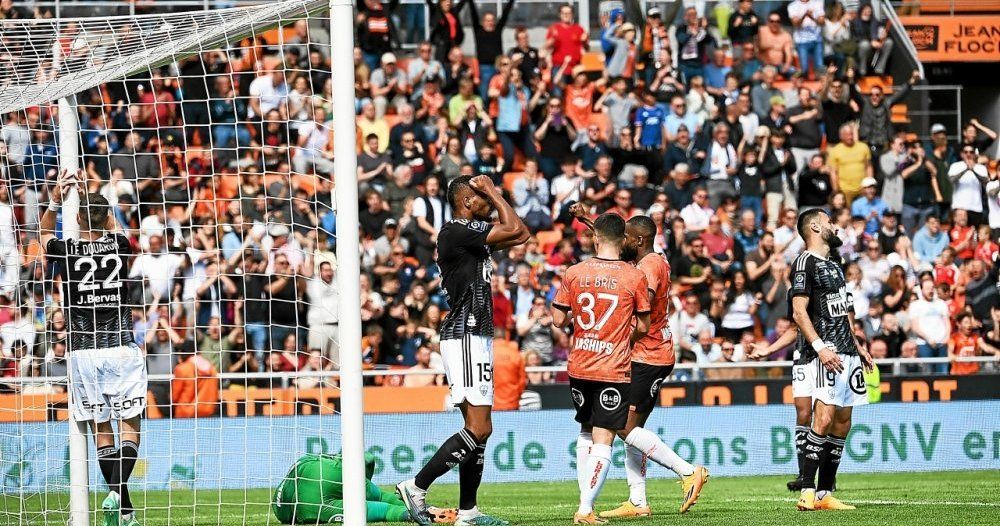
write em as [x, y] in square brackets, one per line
[583, 443]
[654, 448]
[635, 474]
[821, 494]
[597, 468]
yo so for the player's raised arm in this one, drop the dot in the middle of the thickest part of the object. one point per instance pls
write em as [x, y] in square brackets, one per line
[579, 211]
[510, 230]
[64, 184]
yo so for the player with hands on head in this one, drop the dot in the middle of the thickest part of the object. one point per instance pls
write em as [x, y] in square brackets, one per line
[107, 367]
[464, 247]
[823, 310]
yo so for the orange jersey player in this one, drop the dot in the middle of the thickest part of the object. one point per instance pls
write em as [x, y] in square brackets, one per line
[601, 296]
[651, 363]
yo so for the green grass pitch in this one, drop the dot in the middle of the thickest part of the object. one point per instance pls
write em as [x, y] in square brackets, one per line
[954, 498]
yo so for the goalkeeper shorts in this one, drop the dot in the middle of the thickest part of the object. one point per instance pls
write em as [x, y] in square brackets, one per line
[108, 383]
[468, 363]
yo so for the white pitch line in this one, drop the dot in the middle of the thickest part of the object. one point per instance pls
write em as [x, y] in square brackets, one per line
[791, 501]
[879, 502]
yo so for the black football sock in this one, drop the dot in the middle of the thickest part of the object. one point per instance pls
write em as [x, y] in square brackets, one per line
[129, 455]
[813, 454]
[800, 443]
[832, 451]
[107, 459]
[470, 475]
[453, 452]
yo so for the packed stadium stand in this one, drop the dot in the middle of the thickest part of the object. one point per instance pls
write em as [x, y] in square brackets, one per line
[720, 120]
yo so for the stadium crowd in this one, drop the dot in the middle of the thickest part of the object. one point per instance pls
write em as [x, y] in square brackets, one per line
[220, 168]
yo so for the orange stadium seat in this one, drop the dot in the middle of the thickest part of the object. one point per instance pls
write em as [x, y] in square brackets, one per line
[510, 178]
[900, 114]
[548, 239]
[309, 183]
[956, 6]
[603, 122]
[592, 61]
[866, 84]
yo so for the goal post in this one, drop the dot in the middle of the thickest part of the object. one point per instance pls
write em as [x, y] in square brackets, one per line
[69, 161]
[62, 68]
[348, 259]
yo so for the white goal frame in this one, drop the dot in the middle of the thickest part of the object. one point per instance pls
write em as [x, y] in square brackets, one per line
[341, 16]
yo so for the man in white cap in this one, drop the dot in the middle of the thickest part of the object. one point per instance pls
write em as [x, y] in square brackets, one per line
[623, 57]
[389, 84]
[869, 205]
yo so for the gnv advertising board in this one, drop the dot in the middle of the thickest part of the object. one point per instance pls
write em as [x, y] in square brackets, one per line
[237, 453]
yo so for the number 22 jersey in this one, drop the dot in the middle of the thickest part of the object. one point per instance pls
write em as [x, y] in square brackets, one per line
[602, 296]
[95, 290]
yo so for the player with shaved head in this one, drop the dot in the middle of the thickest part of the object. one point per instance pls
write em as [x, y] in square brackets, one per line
[464, 247]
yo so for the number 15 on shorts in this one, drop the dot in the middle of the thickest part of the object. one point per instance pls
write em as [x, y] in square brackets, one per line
[485, 372]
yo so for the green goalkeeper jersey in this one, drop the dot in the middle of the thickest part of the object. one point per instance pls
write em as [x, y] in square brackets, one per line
[312, 492]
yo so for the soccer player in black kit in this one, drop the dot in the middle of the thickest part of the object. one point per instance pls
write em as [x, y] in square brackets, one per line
[107, 367]
[464, 247]
[824, 312]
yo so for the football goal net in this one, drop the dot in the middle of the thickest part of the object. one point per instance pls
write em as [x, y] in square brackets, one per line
[210, 134]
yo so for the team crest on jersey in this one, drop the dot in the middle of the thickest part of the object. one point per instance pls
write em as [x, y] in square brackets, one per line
[857, 382]
[610, 399]
[483, 389]
[655, 388]
[577, 397]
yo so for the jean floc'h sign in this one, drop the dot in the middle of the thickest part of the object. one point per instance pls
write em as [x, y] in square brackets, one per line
[955, 39]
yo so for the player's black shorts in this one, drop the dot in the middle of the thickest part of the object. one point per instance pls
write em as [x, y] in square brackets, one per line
[600, 404]
[645, 387]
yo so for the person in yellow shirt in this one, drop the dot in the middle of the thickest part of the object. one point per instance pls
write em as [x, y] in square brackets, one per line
[851, 163]
[368, 123]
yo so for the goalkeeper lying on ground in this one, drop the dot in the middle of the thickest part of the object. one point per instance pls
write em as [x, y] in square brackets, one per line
[312, 493]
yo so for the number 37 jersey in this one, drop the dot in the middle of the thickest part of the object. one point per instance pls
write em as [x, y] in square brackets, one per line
[95, 290]
[602, 297]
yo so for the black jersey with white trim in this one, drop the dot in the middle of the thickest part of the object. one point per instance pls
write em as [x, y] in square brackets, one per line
[466, 273]
[822, 281]
[95, 290]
